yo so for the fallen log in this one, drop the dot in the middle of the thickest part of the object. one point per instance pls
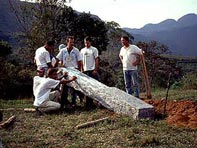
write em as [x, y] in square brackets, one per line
[8, 122]
[90, 123]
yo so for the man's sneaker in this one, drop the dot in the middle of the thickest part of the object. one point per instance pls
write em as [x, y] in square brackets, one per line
[39, 112]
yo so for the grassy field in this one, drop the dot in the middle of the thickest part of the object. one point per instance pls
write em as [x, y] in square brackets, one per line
[58, 130]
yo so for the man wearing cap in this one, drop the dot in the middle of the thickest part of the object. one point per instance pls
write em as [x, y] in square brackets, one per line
[61, 46]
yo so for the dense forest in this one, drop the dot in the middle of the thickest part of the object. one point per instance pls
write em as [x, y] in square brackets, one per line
[47, 20]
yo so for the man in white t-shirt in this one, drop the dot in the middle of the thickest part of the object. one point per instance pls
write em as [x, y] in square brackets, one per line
[90, 62]
[90, 58]
[69, 57]
[42, 57]
[47, 100]
[130, 56]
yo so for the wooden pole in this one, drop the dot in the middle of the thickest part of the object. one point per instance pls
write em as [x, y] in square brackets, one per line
[147, 84]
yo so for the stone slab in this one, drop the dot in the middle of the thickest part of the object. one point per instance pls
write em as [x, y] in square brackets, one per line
[110, 97]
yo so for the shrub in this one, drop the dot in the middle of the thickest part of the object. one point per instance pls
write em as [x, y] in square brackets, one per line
[189, 81]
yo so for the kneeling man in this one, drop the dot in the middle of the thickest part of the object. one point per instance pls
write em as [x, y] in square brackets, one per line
[47, 97]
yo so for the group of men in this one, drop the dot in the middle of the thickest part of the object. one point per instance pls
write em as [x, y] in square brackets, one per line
[47, 83]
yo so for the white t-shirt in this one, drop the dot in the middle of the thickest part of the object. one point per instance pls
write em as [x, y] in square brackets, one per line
[41, 89]
[69, 59]
[129, 56]
[88, 57]
[42, 57]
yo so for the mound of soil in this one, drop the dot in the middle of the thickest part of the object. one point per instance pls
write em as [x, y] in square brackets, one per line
[179, 113]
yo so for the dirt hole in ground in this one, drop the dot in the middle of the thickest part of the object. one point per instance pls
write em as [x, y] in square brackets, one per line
[178, 113]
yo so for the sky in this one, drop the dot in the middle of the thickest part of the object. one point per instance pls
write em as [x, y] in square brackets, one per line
[136, 13]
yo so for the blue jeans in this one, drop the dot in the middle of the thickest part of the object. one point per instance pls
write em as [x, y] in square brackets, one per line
[131, 80]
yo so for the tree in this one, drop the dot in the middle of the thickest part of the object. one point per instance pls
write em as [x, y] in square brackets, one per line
[15, 78]
[87, 24]
[158, 66]
[54, 20]
[47, 20]
[5, 49]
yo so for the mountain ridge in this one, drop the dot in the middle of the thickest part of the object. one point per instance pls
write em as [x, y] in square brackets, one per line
[178, 35]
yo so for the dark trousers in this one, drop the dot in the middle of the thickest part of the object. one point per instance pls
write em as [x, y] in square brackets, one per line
[64, 96]
[89, 101]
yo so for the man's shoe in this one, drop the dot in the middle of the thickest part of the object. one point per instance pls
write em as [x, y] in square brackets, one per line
[39, 112]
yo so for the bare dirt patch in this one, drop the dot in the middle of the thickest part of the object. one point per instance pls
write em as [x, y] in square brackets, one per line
[179, 113]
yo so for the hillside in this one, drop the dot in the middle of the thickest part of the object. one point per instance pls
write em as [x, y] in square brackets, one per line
[178, 35]
[9, 24]
[8, 20]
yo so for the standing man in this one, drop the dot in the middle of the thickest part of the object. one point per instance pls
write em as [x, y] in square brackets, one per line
[130, 56]
[69, 57]
[90, 63]
[42, 57]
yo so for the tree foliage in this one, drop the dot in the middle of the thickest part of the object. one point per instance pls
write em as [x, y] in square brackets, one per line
[15, 76]
[52, 20]
[41, 22]
[90, 25]
[158, 66]
[5, 49]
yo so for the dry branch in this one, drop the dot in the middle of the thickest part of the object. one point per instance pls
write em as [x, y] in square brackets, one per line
[29, 109]
[90, 123]
[8, 122]
[11, 109]
[19, 109]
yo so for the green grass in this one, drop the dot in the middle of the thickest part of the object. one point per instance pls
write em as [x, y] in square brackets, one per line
[58, 130]
[174, 94]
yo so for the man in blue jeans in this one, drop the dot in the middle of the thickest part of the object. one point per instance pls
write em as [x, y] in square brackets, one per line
[130, 56]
